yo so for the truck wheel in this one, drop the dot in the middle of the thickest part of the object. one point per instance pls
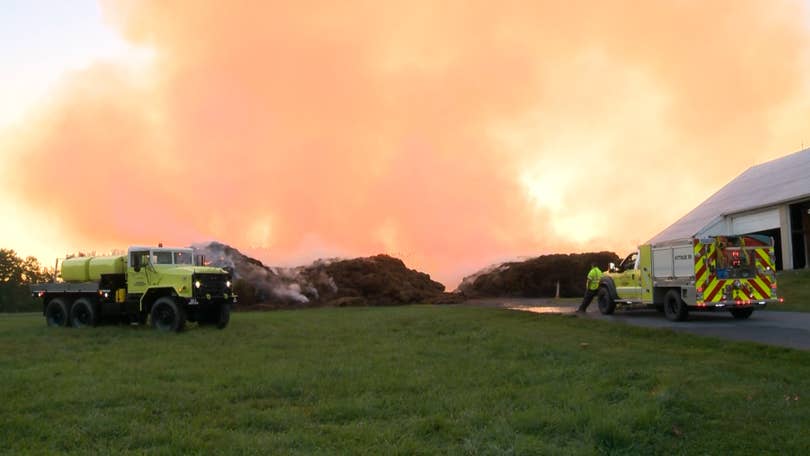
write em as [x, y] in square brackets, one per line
[674, 307]
[742, 314]
[166, 315]
[224, 316]
[82, 313]
[56, 313]
[606, 304]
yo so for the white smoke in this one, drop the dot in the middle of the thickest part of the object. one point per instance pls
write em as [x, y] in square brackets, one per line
[467, 282]
[290, 291]
[284, 284]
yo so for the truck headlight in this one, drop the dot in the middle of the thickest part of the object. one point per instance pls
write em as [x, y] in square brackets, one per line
[228, 284]
[197, 284]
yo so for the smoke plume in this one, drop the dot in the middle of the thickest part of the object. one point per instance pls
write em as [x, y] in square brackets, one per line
[449, 134]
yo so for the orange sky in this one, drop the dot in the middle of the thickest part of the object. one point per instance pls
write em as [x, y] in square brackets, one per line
[450, 134]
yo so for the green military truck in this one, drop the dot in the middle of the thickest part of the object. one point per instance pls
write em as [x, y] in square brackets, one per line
[165, 286]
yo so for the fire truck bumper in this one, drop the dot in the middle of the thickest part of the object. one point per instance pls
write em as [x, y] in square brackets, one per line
[738, 304]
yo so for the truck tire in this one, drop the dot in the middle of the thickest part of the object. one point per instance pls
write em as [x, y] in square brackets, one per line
[56, 313]
[742, 314]
[82, 313]
[224, 316]
[606, 304]
[166, 315]
[674, 307]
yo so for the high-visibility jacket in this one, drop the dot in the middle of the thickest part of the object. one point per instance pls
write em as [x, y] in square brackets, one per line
[594, 275]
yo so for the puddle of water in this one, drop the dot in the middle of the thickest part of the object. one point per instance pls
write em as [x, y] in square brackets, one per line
[544, 309]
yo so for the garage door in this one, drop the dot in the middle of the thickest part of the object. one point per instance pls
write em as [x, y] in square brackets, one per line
[757, 221]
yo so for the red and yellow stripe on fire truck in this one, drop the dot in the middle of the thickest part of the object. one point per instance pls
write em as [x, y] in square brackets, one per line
[713, 282]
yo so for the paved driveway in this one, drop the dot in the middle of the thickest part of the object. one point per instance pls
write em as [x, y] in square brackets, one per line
[786, 329]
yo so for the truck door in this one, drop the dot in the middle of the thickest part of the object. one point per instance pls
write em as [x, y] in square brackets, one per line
[645, 267]
[628, 281]
[138, 281]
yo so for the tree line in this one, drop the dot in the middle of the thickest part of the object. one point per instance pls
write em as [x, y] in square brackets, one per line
[16, 274]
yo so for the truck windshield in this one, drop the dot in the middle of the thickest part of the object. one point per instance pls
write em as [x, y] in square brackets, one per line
[162, 258]
[628, 263]
[182, 258]
[172, 257]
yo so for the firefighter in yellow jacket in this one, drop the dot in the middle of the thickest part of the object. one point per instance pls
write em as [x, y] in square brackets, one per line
[591, 287]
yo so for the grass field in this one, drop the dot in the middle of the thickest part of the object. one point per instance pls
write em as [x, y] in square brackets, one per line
[407, 380]
[794, 286]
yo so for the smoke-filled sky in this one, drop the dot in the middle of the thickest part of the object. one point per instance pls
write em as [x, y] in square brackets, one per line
[450, 134]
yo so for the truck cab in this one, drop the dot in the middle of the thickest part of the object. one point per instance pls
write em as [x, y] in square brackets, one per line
[627, 278]
[164, 267]
[628, 285]
[170, 283]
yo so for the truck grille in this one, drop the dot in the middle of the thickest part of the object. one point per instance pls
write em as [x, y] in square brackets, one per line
[211, 284]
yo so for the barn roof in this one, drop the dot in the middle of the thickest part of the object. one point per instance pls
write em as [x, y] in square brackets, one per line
[768, 184]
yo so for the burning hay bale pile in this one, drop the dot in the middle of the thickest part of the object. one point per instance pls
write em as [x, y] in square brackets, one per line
[536, 277]
[378, 281]
[373, 281]
[382, 280]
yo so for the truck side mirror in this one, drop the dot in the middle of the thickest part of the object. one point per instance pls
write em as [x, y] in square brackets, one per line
[136, 263]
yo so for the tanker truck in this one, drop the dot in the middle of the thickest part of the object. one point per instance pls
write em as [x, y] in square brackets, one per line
[165, 286]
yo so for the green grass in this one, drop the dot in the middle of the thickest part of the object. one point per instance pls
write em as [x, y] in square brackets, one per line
[407, 380]
[794, 286]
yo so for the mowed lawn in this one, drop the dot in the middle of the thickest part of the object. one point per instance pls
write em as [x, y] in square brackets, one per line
[794, 286]
[406, 380]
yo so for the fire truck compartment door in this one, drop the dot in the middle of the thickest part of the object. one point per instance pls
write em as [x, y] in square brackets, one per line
[673, 262]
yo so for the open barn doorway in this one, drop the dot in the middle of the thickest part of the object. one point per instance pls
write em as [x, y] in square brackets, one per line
[800, 233]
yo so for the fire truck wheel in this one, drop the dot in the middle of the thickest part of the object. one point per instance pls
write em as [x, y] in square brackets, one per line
[82, 313]
[742, 314]
[606, 305]
[166, 315]
[224, 316]
[56, 313]
[674, 308]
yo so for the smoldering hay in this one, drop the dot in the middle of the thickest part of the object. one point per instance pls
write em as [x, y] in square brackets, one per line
[378, 280]
[449, 134]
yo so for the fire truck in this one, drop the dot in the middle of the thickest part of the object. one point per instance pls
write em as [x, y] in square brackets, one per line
[166, 286]
[728, 273]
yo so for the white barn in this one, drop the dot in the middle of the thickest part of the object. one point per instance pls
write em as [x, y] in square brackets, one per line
[772, 198]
